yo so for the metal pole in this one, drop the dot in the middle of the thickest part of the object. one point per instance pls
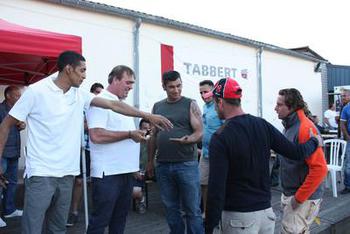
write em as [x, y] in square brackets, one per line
[259, 78]
[83, 162]
[83, 158]
[136, 57]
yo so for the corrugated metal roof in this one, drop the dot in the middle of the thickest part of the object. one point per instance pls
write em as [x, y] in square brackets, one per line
[337, 76]
[157, 20]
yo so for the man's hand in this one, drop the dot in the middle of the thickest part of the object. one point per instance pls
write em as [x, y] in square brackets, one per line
[150, 169]
[3, 180]
[318, 137]
[21, 125]
[181, 140]
[138, 136]
[294, 203]
[160, 121]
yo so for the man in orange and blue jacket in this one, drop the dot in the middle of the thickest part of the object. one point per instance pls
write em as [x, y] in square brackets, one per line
[302, 181]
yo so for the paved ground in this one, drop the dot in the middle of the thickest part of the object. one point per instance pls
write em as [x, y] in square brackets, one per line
[333, 210]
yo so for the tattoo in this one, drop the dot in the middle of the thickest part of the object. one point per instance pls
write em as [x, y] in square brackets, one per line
[196, 111]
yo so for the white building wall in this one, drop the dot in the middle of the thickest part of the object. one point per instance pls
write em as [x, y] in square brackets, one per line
[193, 49]
[282, 71]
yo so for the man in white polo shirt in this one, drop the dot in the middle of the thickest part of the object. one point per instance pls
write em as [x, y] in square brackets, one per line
[114, 152]
[53, 109]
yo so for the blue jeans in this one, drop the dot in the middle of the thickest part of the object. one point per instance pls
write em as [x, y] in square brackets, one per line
[180, 189]
[111, 198]
[347, 166]
[9, 167]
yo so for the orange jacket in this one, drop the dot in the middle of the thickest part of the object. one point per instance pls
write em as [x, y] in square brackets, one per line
[316, 162]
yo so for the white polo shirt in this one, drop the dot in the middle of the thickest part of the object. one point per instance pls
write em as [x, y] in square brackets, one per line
[112, 158]
[330, 115]
[54, 124]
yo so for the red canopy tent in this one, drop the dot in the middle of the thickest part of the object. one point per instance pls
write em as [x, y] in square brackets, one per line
[28, 55]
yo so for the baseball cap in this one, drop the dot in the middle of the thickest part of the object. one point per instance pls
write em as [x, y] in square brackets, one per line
[226, 88]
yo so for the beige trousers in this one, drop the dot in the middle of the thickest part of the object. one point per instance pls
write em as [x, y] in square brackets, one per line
[298, 220]
[256, 222]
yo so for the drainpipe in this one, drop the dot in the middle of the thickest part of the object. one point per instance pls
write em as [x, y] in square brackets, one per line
[136, 61]
[259, 77]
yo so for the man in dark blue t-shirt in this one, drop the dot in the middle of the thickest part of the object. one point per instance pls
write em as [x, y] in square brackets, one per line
[239, 182]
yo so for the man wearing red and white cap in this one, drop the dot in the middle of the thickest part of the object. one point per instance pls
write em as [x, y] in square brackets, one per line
[239, 182]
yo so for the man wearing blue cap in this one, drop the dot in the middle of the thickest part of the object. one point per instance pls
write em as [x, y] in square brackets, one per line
[239, 182]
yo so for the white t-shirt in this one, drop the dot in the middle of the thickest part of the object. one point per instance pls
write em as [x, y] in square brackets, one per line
[112, 158]
[54, 124]
[330, 115]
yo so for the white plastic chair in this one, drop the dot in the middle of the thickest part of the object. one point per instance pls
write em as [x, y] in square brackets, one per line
[336, 150]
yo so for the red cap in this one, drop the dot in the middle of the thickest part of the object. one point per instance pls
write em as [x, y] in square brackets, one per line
[226, 88]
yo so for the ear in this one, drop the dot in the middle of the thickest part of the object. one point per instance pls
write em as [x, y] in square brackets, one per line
[163, 86]
[68, 69]
[115, 80]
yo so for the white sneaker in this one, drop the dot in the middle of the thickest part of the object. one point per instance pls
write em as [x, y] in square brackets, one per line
[16, 213]
[2, 223]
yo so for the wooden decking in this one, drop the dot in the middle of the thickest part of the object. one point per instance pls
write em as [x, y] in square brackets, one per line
[334, 215]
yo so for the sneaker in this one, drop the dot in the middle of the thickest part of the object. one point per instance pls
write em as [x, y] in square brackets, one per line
[141, 209]
[2, 223]
[16, 213]
[72, 219]
[345, 191]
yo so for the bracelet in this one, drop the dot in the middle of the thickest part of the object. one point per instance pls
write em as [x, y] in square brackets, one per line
[129, 134]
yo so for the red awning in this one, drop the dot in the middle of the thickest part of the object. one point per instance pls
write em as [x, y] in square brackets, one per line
[28, 55]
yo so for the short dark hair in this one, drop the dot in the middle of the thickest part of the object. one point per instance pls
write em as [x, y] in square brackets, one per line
[170, 76]
[231, 101]
[96, 86]
[118, 71]
[10, 89]
[143, 121]
[330, 105]
[294, 100]
[69, 58]
[206, 82]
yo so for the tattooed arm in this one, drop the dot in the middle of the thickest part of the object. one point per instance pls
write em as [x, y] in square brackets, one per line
[196, 124]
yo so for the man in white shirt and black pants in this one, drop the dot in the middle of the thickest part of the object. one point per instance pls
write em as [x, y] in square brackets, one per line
[114, 152]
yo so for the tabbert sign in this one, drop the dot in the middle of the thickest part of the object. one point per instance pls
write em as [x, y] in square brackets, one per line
[194, 69]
